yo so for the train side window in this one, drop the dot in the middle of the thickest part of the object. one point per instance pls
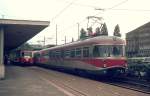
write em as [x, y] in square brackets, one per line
[86, 52]
[57, 54]
[62, 53]
[96, 52]
[50, 54]
[78, 52]
[54, 54]
[67, 53]
[72, 53]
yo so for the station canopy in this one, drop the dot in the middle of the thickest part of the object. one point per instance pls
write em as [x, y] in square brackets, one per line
[17, 32]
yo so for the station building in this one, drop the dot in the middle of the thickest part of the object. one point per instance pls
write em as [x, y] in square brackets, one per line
[138, 41]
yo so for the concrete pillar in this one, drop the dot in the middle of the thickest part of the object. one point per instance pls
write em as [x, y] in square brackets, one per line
[2, 69]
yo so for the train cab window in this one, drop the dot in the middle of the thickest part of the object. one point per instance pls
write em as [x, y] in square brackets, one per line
[117, 50]
[78, 52]
[101, 51]
[45, 54]
[72, 53]
[22, 54]
[37, 55]
[86, 52]
[107, 50]
[26, 54]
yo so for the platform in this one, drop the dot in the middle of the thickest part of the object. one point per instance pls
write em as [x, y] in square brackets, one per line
[36, 81]
[20, 81]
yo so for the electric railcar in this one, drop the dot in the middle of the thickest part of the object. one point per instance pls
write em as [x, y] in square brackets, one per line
[98, 55]
[24, 57]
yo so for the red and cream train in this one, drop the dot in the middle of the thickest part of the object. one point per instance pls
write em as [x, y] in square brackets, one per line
[24, 57]
[98, 55]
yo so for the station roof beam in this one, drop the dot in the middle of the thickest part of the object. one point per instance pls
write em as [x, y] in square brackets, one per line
[17, 32]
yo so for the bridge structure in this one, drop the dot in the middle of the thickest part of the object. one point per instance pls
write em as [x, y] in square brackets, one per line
[13, 33]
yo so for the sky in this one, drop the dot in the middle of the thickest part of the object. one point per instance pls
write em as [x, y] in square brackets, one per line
[129, 14]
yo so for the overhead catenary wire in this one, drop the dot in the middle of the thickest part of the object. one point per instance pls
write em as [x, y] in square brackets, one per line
[116, 5]
[120, 3]
[64, 9]
[105, 9]
[138, 10]
[80, 4]
[111, 8]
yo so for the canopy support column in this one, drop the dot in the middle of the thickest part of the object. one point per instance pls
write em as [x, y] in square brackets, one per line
[2, 69]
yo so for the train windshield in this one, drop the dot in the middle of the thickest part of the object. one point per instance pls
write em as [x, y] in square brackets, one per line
[26, 54]
[108, 50]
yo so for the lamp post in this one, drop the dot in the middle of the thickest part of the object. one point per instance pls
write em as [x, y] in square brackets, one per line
[44, 41]
[56, 34]
[64, 40]
[78, 30]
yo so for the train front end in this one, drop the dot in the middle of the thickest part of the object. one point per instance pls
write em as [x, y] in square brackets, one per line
[109, 56]
[26, 58]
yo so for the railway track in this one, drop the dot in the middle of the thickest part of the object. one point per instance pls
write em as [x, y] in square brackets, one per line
[128, 83]
[71, 91]
[65, 88]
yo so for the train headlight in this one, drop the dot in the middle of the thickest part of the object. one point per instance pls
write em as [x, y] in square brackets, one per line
[26, 59]
[126, 65]
[105, 65]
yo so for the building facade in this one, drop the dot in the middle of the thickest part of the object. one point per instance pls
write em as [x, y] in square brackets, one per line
[138, 42]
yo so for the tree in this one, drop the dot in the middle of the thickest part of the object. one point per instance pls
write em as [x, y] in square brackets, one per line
[97, 31]
[104, 30]
[117, 31]
[82, 34]
[90, 32]
[25, 46]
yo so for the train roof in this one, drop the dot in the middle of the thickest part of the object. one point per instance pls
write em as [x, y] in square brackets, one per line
[99, 40]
